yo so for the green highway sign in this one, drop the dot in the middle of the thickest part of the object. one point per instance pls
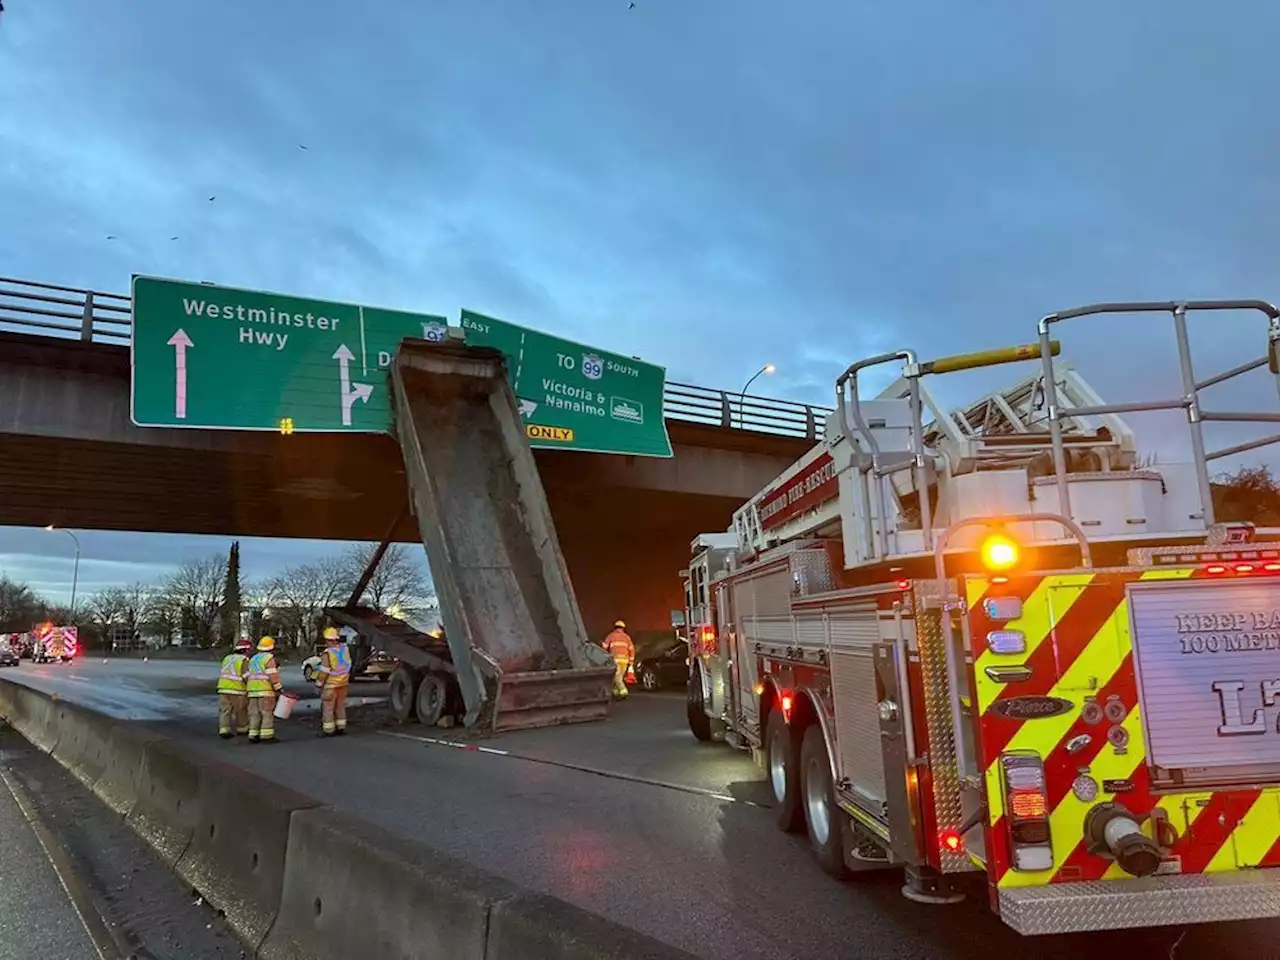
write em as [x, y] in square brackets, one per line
[578, 397]
[221, 358]
[212, 357]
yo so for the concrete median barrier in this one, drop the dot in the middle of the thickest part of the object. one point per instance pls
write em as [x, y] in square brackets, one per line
[236, 857]
[298, 880]
[124, 776]
[84, 742]
[8, 698]
[34, 715]
[533, 926]
[40, 714]
[166, 812]
[352, 889]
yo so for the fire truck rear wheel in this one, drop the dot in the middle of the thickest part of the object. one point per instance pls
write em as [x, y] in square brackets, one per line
[822, 816]
[695, 710]
[402, 693]
[784, 775]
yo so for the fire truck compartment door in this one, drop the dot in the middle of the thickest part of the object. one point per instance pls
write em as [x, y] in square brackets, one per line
[762, 609]
[855, 630]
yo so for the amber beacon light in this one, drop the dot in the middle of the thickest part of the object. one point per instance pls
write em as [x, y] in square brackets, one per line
[1000, 552]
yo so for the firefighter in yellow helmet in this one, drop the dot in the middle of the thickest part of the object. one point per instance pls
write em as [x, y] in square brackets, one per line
[263, 684]
[332, 679]
[619, 646]
[233, 705]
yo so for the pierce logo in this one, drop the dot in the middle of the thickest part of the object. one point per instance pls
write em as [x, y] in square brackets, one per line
[1031, 708]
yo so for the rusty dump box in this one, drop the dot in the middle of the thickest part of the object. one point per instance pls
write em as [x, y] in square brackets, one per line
[518, 647]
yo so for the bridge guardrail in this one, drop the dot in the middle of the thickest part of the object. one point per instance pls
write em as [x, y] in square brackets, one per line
[94, 316]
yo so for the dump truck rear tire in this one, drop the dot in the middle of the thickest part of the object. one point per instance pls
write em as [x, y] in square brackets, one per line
[430, 698]
[403, 693]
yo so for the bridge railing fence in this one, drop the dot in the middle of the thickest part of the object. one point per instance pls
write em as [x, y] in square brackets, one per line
[95, 316]
[724, 408]
[48, 308]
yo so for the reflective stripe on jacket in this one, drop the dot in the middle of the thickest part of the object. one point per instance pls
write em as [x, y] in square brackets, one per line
[231, 679]
[335, 666]
[264, 675]
[620, 646]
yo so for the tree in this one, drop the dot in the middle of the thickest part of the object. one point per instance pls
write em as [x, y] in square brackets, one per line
[398, 582]
[1249, 495]
[230, 619]
[20, 606]
[193, 597]
[125, 609]
[297, 598]
[105, 610]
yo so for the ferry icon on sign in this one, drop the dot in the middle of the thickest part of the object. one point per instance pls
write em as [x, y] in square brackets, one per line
[629, 411]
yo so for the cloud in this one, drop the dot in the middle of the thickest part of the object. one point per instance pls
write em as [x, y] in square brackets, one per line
[707, 185]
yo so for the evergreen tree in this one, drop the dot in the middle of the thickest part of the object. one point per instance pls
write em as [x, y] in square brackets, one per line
[230, 620]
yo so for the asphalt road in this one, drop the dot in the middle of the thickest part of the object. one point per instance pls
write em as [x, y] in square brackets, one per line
[37, 916]
[631, 818]
[76, 883]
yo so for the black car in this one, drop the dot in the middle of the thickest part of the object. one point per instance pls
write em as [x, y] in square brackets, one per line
[8, 656]
[665, 669]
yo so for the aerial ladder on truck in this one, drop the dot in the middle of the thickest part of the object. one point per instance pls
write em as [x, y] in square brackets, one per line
[514, 651]
[992, 640]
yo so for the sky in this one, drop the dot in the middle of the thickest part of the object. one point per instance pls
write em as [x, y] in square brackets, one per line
[707, 184]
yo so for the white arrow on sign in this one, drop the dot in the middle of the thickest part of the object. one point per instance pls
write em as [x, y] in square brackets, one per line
[351, 392]
[180, 342]
[527, 407]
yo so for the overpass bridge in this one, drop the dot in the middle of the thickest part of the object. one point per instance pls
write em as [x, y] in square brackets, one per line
[69, 455]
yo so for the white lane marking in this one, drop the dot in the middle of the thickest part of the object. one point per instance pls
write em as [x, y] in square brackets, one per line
[596, 771]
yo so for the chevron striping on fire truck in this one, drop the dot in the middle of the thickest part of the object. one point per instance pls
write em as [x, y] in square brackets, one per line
[993, 641]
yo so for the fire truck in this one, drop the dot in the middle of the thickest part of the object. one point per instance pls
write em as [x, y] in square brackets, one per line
[993, 640]
[51, 643]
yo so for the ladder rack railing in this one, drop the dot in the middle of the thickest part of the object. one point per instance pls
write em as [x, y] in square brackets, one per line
[1191, 387]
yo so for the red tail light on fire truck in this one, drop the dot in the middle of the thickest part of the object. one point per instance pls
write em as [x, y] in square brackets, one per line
[1026, 809]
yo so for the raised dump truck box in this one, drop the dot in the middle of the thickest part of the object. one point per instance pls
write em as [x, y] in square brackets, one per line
[515, 652]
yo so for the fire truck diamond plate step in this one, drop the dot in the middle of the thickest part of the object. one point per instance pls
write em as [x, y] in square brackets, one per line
[1146, 902]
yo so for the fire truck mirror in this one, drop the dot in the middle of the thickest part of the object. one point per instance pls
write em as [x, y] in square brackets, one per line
[1273, 354]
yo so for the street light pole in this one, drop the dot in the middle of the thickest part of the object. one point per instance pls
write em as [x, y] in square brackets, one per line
[742, 394]
[75, 573]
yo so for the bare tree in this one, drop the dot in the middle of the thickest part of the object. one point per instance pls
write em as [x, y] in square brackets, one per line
[105, 610]
[162, 614]
[135, 599]
[195, 592]
[399, 582]
[121, 610]
[296, 598]
[20, 606]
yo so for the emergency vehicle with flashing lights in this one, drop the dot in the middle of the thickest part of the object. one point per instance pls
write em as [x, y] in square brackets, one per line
[992, 640]
[51, 643]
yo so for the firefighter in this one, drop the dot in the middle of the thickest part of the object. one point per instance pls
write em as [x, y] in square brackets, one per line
[263, 684]
[332, 679]
[233, 706]
[623, 651]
